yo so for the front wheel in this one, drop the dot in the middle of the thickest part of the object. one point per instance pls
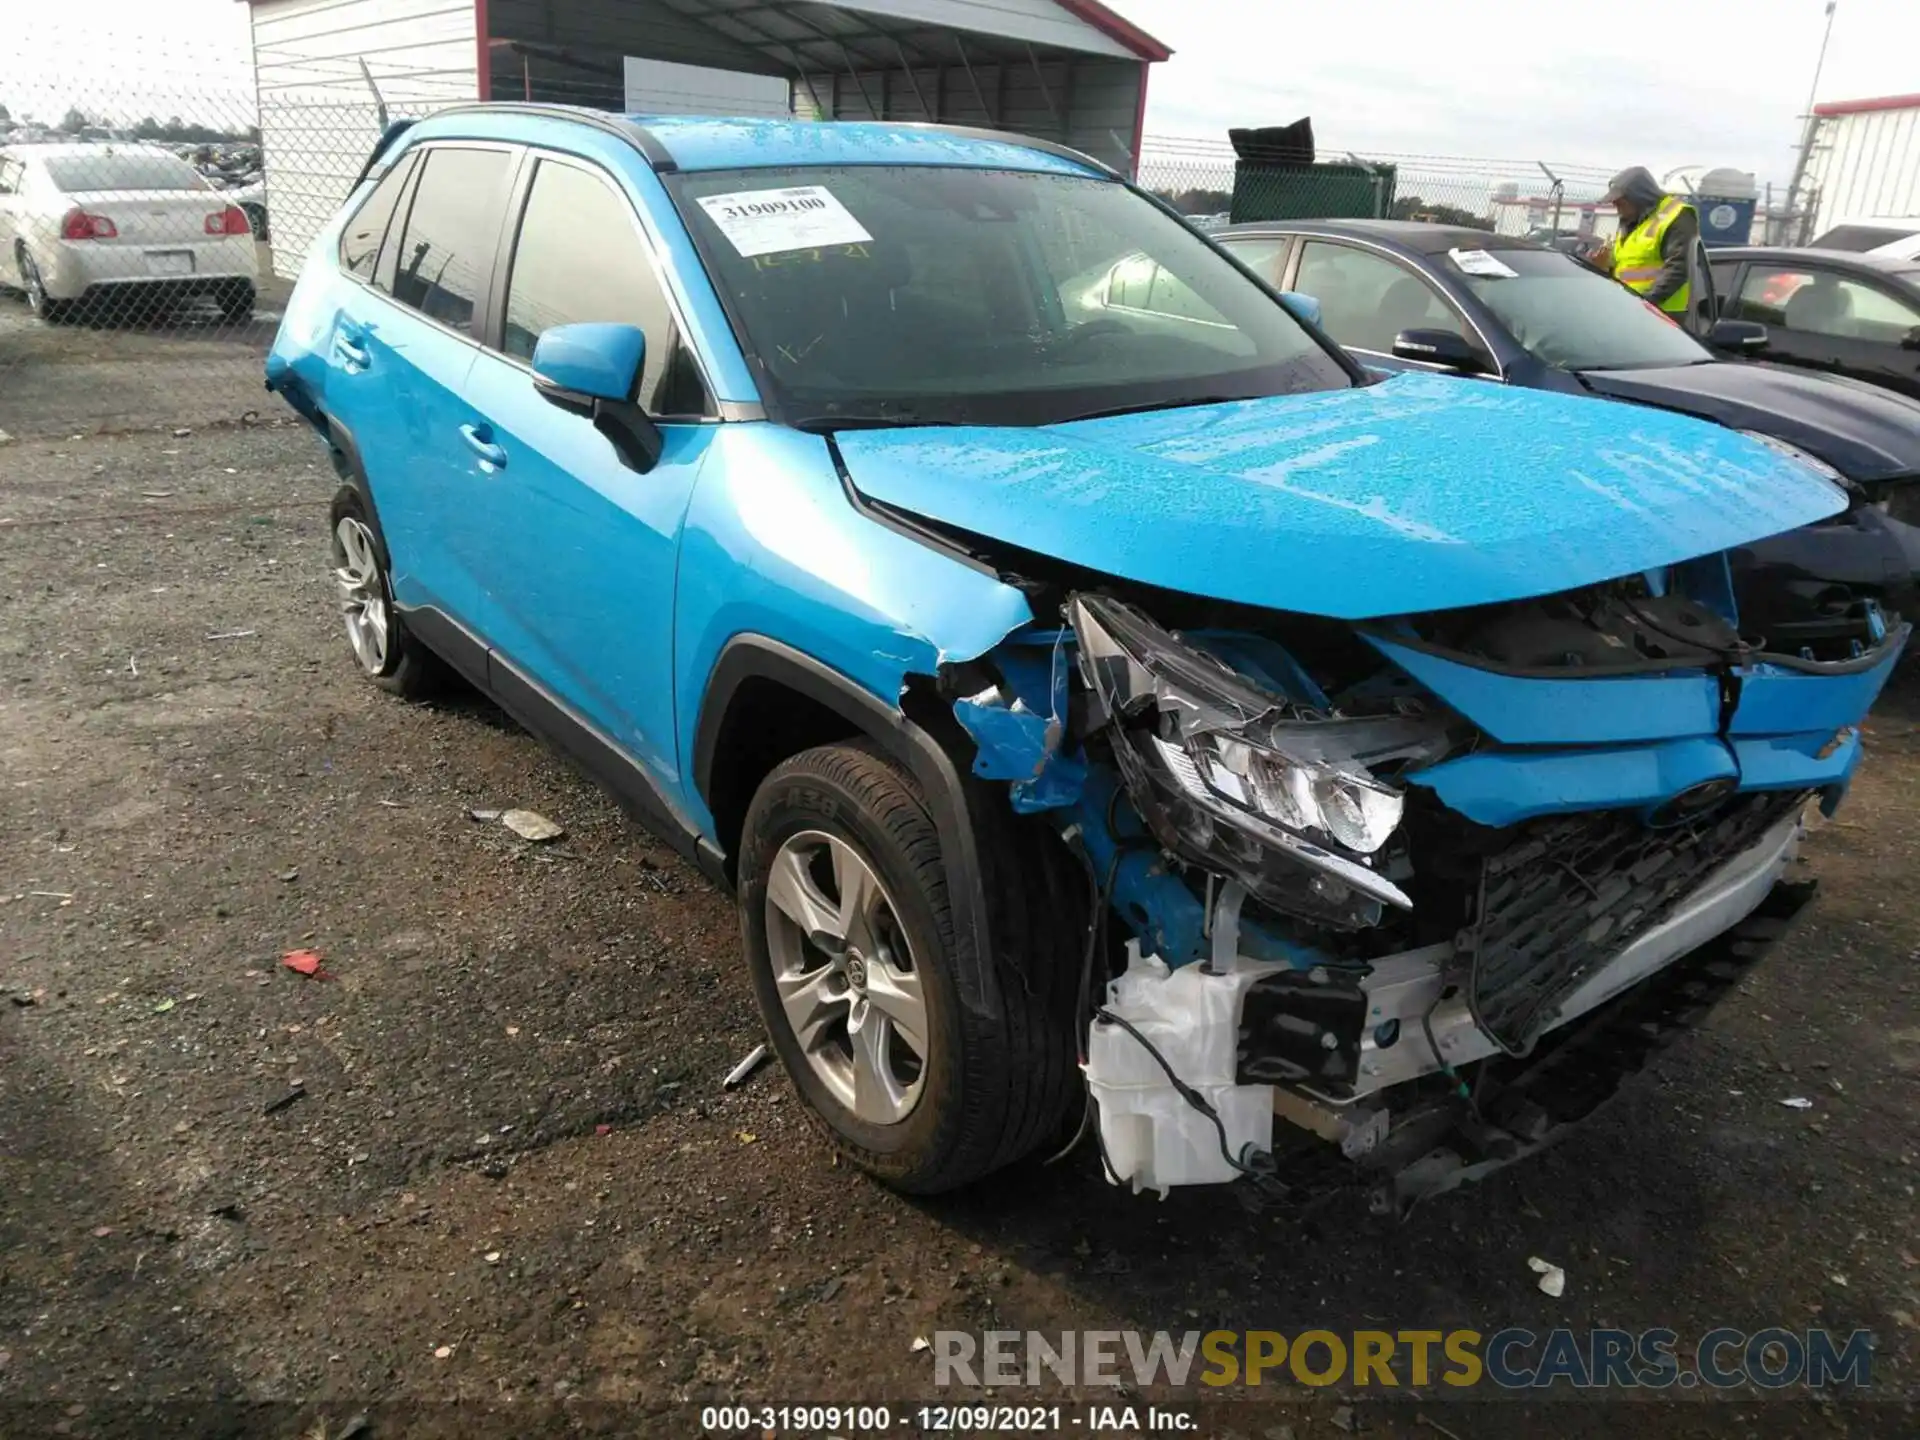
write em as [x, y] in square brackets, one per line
[850, 942]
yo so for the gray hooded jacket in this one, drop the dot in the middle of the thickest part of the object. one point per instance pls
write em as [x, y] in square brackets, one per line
[1637, 186]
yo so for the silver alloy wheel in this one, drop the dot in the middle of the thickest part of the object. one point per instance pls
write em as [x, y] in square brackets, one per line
[363, 592]
[36, 287]
[847, 977]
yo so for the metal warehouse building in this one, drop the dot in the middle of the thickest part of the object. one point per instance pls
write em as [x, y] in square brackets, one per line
[325, 70]
[1866, 159]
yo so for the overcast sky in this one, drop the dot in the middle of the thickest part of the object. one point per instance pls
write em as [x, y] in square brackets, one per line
[1655, 82]
[1658, 82]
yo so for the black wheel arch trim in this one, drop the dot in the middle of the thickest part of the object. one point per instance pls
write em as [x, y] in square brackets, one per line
[942, 781]
[355, 471]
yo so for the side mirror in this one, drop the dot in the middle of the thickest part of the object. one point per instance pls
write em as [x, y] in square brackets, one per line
[1302, 306]
[1441, 347]
[594, 370]
[1743, 337]
[600, 362]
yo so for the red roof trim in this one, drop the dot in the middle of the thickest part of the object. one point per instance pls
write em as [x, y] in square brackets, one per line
[1862, 107]
[1116, 27]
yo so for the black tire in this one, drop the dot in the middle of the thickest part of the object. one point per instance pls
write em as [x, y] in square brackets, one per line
[47, 309]
[408, 669]
[236, 304]
[995, 1087]
[257, 220]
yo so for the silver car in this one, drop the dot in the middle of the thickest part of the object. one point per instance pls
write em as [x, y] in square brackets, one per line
[113, 229]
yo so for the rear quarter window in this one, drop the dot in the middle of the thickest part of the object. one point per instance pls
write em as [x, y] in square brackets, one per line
[361, 236]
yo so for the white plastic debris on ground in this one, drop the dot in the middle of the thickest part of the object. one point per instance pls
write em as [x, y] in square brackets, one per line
[1154, 1139]
[1553, 1280]
[531, 825]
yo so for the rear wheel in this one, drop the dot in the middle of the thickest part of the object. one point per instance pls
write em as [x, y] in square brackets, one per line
[53, 312]
[236, 303]
[386, 653]
[850, 942]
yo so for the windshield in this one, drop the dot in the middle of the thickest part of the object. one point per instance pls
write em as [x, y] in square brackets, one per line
[1567, 315]
[108, 170]
[1858, 238]
[930, 295]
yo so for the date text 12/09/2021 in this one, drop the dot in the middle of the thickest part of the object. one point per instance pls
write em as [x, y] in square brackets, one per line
[863, 1420]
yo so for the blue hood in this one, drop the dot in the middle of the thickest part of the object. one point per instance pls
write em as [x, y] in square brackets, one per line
[1420, 493]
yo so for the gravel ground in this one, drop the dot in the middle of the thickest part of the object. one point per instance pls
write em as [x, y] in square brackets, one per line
[510, 1195]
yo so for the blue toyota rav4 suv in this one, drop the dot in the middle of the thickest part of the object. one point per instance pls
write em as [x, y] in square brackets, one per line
[1112, 721]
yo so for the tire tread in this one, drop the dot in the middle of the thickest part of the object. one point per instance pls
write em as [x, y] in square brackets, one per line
[1018, 1075]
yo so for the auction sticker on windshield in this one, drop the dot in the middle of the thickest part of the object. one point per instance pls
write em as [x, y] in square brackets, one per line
[760, 222]
[1479, 262]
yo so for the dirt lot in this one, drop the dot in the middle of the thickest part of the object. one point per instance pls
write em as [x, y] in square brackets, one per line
[513, 1180]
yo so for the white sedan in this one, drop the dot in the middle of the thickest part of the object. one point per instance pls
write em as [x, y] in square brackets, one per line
[115, 229]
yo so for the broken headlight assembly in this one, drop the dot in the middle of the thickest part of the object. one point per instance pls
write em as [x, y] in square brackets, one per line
[1280, 794]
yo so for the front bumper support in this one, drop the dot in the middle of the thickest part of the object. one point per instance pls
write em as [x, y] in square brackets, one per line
[1405, 989]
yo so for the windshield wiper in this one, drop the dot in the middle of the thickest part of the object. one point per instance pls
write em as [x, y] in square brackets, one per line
[1153, 405]
[828, 424]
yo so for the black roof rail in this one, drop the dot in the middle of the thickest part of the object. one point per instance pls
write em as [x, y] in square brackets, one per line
[638, 136]
[661, 159]
[1015, 137]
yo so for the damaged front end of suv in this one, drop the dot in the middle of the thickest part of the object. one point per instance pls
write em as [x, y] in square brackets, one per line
[1387, 903]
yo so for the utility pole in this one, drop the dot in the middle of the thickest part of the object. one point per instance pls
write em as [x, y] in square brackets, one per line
[1556, 192]
[1810, 127]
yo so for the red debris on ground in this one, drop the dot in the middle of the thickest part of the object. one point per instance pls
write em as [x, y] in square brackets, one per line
[305, 962]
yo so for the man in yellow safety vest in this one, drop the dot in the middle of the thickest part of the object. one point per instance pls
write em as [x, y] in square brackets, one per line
[1653, 250]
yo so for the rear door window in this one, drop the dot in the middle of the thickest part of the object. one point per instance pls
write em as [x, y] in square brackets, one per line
[360, 240]
[1367, 299]
[1138, 283]
[579, 257]
[1813, 300]
[1265, 255]
[1131, 282]
[452, 231]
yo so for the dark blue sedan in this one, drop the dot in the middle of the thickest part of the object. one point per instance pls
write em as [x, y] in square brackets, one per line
[1402, 295]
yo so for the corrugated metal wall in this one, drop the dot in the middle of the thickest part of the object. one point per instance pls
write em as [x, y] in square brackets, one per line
[317, 117]
[1867, 163]
[608, 29]
[660, 87]
[1089, 104]
[1043, 22]
[1089, 101]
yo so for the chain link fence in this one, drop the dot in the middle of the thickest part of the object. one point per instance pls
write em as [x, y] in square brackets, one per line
[1512, 197]
[139, 215]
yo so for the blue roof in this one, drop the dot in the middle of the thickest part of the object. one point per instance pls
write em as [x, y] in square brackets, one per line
[702, 143]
